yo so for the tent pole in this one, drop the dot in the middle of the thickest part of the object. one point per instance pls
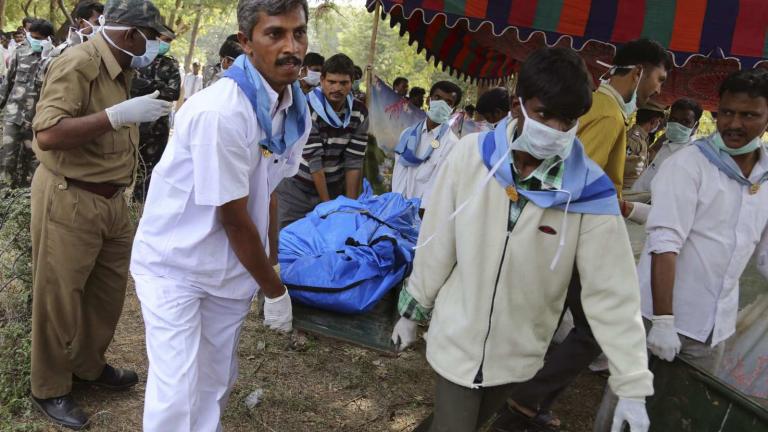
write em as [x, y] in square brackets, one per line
[372, 54]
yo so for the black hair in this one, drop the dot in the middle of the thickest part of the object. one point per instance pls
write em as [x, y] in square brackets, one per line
[27, 20]
[492, 100]
[230, 49]
[447, 87]
[313, 59]
[558, 77]
[248, 11]
[358, 72]
[44, 27]
[641, 52]
[398, 81]
[753, 82]
[688, 104]
[644, 116]
[416, 91]
[469, 107]
[86, 8]
[232, 38]
[339, 64]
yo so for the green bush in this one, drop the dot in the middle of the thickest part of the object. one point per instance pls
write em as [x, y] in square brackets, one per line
[15, 302]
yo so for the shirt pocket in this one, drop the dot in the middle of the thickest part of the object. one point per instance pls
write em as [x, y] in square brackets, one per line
[119, 141]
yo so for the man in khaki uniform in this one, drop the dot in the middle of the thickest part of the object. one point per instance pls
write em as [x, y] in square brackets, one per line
[86, 141]
[648, 120]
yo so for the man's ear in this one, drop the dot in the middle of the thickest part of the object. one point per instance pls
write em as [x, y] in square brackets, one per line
[515, 109]
[243, 40]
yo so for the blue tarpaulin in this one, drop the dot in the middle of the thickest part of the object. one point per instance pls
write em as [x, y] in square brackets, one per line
[346, 254]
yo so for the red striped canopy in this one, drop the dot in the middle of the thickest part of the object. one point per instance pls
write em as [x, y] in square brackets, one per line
[486, 39]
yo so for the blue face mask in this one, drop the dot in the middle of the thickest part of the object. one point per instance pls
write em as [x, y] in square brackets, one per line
[163, 47]
[751, 146]
[36, 45]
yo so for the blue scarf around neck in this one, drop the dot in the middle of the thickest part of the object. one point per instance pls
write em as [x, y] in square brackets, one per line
[325, 110]
[409, 142]
[725, 163]
[591, 190]
[249, 81]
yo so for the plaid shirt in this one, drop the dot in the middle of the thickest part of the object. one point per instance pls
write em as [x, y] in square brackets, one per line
[548, 175]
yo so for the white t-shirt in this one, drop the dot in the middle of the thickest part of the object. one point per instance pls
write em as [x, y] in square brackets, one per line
[192, 84]
[714, 225]
[417, 182]
[212, 158]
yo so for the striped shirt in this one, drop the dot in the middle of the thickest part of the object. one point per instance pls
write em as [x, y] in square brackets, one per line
[335, 150]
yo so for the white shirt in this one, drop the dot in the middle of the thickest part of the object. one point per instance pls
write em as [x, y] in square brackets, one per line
[212, 158]
[417, 182]
[643, 183]
[192, 84]
[714, 225]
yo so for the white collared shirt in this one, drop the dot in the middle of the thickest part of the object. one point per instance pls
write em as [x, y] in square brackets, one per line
[213, 157]
[417, 181]
[714, 225]
[192, 84]
[643, 183]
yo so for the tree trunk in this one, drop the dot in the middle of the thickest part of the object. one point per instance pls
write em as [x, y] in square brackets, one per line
[193, 39]
[2, 14]
[172, 18]
[52, 12]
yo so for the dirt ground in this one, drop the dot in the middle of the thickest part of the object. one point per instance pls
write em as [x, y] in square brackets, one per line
[308, 383]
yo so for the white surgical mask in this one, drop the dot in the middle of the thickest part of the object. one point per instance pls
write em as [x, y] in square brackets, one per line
[439, 111]
[542, 141]
[677, 133]
[137, 61]
[628, 107]
[312, 78]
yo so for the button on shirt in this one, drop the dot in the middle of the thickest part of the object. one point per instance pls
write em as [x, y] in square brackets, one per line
[417, 182]
[714, 225]
[214, 157]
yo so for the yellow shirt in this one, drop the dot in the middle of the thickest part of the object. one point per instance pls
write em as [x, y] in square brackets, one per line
[603, 132]
[87, 79]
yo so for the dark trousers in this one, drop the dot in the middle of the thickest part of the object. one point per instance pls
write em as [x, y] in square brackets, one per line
[565, 361]
[462, 409]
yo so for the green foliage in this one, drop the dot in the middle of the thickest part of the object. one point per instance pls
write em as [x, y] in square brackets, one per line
[15, 301]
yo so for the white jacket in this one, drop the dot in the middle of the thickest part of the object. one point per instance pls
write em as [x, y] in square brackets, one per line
[496, 302]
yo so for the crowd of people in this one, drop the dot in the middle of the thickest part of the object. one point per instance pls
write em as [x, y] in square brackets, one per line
[520, 222]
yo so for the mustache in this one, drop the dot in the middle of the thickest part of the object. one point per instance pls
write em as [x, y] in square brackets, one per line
[289, 59]
[734, 131]
[340, 94]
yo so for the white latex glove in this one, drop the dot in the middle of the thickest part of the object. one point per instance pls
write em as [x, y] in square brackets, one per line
[140, 109]
[663, 340]
[404, 333]
[278, 313]
[640, 165]
[632, 412]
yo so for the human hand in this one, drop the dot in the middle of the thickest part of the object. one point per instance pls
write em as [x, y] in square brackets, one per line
[404, 333]
[140, 109]
[632, 412]
[278, 313]
[663, 340]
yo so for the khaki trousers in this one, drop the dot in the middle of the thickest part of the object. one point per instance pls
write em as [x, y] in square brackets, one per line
[81, 248]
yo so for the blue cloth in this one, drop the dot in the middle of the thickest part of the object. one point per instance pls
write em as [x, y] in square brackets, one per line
[409, 142]
[592, 191]
[325, 110]
[346, 254]
[724, 162]
[247, 78]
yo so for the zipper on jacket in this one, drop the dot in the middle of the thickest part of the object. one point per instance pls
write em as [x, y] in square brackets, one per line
[479, 376]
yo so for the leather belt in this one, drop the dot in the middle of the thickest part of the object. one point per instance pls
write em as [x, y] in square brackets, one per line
[105, 190]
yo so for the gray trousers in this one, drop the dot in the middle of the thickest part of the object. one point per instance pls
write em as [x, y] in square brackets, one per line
[296, 199]
[462, 409]
[700, 354]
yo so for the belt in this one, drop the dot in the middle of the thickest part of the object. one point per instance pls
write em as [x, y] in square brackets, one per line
[105, 190]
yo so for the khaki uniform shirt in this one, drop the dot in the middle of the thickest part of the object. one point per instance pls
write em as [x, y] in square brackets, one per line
[637, 154]
[87, 79]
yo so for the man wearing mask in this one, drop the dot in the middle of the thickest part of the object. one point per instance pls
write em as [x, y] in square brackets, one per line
[311, 69]
[161, 75]
[647, 122]
[513, 212]
[228, 52]
[709, 217]
[683, 120]
[638, 71]
[18, 94]
[86, 139]
[423, 147]
[493, 105]
[332, 162]
[232, 145]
